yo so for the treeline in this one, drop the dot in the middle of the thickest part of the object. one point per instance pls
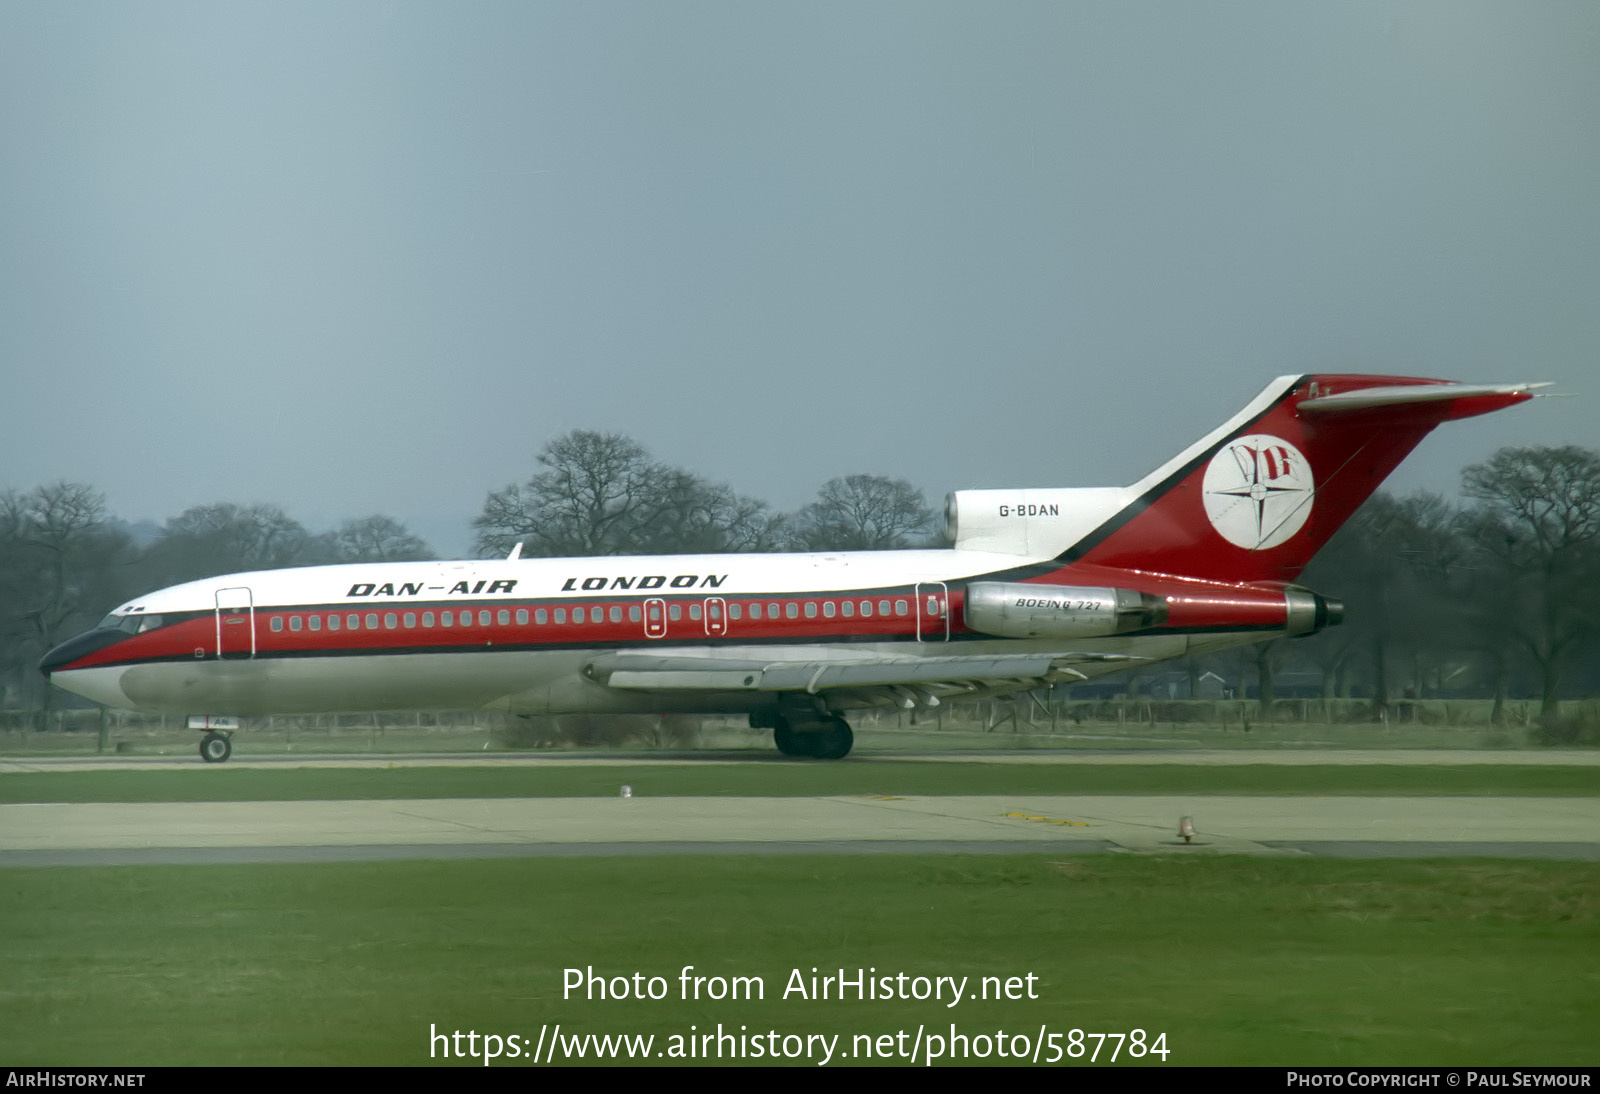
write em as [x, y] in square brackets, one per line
[1497, 597]
[66, 560]
[603, 494]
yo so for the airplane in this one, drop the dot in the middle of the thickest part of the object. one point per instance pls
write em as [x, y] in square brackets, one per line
[1040, 586]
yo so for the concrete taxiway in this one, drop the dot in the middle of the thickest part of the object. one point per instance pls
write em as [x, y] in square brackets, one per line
[107, 832]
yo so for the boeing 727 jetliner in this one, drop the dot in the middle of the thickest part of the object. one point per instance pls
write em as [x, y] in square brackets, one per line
[1040, 586]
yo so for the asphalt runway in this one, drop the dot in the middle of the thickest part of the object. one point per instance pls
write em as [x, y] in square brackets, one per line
[1345, 826]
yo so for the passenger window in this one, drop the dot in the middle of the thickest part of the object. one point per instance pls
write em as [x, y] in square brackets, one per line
[900, 607]
[772, 611]
[333, 622]
[294, 622]
[541, 617]
[522, 617]
[694, 611]
[811, 609]
[655, 611]
[866, 609]
[633, 613]
[616, 613]
[734, 611]
[883, 607]
[483, 618]
[848, 607]
[352, 622]
[561, 615]
[827, 608]
[504, 618]
[411, 620]
[791, 610]
[577, 615]
[277, 622]
[674, 612]
[390, 620]
[427, 619]
[314, 622]
[447, 619]
[755, 611]
[372, 621]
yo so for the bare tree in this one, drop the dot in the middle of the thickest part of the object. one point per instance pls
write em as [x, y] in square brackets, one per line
[864, 513]
[377, 539]
[1395, 563]
[602, 494]
[226, 538]
[584, 502]
[61, 565]
[1536, 531]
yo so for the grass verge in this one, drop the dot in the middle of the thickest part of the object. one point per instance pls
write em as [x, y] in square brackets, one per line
[783, 779]
[1238, 961]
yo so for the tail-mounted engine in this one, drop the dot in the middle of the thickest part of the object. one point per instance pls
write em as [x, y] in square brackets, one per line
[1013, 610]
[1059, 611]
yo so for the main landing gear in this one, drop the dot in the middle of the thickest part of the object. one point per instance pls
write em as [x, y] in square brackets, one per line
[828, 739]
[215, 747]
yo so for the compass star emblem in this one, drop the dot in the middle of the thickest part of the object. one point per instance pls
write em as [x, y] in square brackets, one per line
[1258, 491]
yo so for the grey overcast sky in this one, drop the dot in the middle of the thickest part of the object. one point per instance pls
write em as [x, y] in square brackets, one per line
[369, 257]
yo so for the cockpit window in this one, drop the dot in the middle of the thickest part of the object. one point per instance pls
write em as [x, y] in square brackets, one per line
[129, 624]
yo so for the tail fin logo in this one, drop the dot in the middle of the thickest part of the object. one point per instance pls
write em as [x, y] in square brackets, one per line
[1258, 491]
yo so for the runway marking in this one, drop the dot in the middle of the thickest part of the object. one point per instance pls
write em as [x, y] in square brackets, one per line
[1049, 820]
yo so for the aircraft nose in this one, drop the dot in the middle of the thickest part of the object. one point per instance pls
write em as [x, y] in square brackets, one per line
[74, 649]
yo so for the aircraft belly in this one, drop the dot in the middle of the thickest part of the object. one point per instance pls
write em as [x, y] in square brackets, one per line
[459, 681]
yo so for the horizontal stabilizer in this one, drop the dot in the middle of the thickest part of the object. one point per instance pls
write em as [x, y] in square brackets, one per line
[1365, 398]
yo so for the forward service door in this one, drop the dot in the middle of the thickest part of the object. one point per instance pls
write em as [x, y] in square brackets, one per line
[236, 624]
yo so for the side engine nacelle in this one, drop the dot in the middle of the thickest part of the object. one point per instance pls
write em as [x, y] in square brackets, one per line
[1016, 610]
[1010, 610]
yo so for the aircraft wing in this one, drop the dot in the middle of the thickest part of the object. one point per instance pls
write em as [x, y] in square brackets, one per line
[650, 672]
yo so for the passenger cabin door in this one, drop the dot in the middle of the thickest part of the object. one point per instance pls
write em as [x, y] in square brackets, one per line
[716, 617]
[655, 618]
[236, 624]
[933, 612]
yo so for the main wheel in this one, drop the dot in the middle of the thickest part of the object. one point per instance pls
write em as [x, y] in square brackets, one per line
[835, 741]
[215, 748]
[791, 742]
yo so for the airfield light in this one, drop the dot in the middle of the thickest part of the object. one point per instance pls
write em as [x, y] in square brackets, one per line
[1186, 829]
[627, 791]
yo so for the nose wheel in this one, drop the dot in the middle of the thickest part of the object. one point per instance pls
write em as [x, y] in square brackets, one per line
[215, 747]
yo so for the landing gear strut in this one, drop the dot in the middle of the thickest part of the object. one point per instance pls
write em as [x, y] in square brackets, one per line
[829, 739]
[215, 747]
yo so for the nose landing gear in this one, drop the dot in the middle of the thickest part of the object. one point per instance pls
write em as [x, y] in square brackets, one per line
[215, 747]
[217, 744]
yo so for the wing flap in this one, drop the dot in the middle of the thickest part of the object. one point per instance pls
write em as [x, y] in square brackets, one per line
[636, 672]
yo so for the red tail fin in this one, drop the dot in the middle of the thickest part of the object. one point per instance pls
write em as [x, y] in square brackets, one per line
[1254, 500]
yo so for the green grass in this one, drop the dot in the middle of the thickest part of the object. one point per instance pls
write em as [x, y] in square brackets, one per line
[1238, 961]
[782, 779]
